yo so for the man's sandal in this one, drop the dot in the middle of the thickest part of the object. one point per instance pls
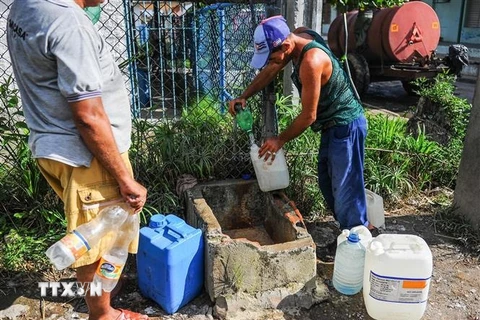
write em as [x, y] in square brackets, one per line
[130, 315]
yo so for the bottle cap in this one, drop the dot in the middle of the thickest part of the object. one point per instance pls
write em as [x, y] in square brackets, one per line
[353, 237]
[157, 221]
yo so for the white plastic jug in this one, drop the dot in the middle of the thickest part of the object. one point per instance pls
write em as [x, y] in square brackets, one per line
[375, 212]
[398, 268]
[270, 175]
[362, 231]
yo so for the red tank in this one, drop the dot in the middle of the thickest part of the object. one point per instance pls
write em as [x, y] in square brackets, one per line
[397, 34]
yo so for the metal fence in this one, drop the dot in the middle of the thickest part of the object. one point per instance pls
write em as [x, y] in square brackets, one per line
[181, 62]
[179, 59]
[180, 53]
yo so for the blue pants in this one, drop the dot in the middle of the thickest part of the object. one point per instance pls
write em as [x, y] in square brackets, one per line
[340, 172]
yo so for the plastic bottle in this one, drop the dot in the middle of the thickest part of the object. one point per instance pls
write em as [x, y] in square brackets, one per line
[364, 234]
[71, 247]
[111, 265]
[244, 118]
[349, 265]
[271, 175]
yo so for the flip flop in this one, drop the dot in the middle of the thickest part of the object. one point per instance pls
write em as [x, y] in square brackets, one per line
[130, 315]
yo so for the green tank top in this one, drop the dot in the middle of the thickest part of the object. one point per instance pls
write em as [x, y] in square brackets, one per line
[337, 104]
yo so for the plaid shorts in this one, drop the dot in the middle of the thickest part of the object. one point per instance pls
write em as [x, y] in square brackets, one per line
[84, 192]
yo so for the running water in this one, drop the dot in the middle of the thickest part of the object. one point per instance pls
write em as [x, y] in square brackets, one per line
[252, 139]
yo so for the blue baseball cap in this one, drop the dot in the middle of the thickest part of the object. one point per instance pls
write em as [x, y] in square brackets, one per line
[269, 35]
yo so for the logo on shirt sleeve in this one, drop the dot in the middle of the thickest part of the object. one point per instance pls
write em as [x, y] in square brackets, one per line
[17, 30]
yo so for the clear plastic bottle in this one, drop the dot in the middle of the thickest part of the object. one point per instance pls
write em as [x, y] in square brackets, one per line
[71, 247]
[349, 265]
[362, 231]
[111, 265]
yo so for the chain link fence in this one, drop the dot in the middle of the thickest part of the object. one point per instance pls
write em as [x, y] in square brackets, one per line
[182, 62]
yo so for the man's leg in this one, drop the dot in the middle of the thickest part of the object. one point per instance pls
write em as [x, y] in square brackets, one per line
[346, 156]
[74, 185]
[98, 306]
[324, 172]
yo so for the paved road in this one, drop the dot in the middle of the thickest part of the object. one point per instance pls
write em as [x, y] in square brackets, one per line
[390, 95]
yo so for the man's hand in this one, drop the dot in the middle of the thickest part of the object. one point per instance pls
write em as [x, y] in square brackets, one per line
[231, 105]
[134, 194]
[270, 147]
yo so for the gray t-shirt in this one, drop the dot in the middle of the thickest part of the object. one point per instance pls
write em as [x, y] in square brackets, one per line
[59, 57]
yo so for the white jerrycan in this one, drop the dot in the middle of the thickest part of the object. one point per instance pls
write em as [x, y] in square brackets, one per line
[375, 212]
[271, 175]
[396, 281]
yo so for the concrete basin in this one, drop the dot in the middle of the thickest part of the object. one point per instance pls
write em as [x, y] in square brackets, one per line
[256, 242]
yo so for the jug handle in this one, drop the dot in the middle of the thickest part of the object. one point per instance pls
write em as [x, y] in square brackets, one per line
[176, 230]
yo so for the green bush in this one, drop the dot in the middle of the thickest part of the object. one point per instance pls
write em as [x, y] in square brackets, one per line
[195, 144]
[29, 202]
[24, 249]
[301, 154]
[396, 163]
[453, 114]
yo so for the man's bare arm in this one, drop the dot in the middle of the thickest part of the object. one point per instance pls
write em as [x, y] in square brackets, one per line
[263, 78]
[95, 130]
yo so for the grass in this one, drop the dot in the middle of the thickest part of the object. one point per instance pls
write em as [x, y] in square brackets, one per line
[24, 250]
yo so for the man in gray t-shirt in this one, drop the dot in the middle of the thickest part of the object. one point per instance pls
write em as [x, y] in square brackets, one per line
[77, 109]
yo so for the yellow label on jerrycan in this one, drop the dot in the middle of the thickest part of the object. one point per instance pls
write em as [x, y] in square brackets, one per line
[398, 269]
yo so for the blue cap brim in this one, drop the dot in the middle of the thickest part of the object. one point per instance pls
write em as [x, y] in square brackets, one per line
[259, 60]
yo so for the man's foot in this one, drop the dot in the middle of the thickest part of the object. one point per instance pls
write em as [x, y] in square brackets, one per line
[130, 315]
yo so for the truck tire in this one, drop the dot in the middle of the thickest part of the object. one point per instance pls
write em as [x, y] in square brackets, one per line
[359, 71]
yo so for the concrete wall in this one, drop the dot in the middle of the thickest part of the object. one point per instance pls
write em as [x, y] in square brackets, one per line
[448, 13]
[467, 190]
[470, 35]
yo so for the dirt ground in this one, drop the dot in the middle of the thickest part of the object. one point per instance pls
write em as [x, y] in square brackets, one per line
[454, 288]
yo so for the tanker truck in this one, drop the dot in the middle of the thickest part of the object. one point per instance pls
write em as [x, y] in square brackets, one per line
[397, 43]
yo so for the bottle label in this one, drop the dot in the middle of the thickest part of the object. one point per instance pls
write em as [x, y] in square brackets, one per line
[109, 270]
[76, 243]
[398, 290]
